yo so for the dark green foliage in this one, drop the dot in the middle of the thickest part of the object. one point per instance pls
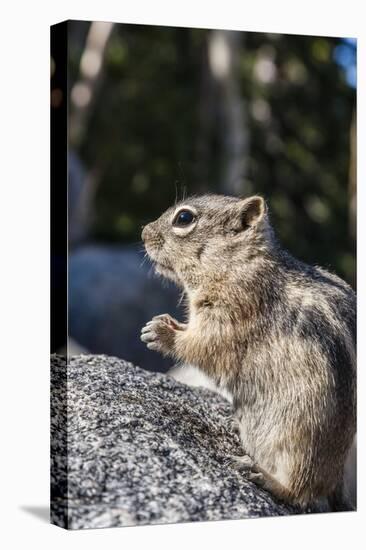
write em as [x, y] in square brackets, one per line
[142, 135]
[300, 156]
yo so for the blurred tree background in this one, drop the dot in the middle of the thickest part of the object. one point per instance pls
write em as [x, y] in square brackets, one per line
[154, 110]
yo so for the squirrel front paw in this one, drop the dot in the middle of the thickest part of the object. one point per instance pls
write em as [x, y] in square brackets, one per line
[159, 333]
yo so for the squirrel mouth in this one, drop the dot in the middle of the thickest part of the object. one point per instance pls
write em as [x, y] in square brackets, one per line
[160, 266]
[166, 271]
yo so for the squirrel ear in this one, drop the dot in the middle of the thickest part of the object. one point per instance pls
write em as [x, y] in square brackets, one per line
[252, 211]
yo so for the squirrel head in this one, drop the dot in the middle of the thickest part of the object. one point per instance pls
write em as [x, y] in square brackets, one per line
[204, 238]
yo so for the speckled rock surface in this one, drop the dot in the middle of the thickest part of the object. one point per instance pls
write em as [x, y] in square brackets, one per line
[131, 447]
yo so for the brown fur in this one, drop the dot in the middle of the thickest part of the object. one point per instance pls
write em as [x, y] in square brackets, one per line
[277, 334]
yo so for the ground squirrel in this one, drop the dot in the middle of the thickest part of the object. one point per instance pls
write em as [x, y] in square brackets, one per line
[275, 333]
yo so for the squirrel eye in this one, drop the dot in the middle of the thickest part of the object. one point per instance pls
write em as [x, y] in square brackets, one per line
[183, 218]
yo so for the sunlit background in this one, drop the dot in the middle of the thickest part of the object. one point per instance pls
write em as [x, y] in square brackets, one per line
[154, 111]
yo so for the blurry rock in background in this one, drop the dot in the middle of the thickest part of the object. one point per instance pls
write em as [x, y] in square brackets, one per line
[111, 296]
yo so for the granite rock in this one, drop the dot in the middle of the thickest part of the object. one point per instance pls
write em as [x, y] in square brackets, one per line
[132, 447]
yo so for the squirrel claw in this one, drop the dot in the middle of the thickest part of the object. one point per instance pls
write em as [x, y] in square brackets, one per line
[240, 463]
[255, 477]
[159, 333]
[232, 425]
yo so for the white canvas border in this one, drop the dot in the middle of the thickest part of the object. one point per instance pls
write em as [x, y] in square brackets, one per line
[25, 268]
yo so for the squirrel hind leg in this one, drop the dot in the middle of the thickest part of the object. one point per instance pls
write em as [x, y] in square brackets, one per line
[338, 500]
[276, 484]
[269, 483]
